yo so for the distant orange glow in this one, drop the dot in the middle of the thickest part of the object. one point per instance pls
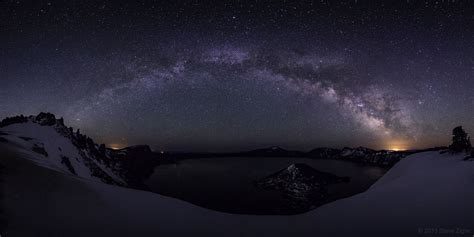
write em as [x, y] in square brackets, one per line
[397, 146]
[397, 149]
[116, 146]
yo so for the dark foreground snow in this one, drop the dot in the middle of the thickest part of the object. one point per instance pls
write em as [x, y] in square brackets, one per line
[424, 192]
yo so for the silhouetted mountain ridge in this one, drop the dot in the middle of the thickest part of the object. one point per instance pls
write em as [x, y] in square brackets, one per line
[143, 156]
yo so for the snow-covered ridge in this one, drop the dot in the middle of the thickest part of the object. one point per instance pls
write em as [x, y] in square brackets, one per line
[364, 155]
[423, 192]
[53, 145]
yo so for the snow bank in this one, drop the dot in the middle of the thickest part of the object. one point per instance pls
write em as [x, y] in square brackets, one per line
[30, 134]
[423, 193]
[425, 190]
[57, 152]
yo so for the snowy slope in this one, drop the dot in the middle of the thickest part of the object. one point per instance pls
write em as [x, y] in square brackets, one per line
[425, 190]
[58, 148]
[47, 141]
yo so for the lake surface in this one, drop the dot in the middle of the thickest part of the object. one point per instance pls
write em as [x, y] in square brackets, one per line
[227, 184]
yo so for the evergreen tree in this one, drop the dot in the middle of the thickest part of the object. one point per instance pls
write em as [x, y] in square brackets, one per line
[461, 141]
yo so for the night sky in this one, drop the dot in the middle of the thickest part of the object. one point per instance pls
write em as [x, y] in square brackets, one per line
[216, 76]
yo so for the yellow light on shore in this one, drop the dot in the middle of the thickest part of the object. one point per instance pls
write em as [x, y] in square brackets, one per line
[396, 149]
[397, 146]
[116, 146]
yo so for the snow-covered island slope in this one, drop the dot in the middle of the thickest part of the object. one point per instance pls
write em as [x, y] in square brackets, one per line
[303, 187]
[42, 198]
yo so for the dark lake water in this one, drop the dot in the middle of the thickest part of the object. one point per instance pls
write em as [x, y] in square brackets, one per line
[227, 184]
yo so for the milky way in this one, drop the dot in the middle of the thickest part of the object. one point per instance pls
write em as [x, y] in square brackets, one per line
[219, 77]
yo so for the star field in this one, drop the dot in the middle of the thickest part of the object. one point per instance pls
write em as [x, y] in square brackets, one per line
[236, 75]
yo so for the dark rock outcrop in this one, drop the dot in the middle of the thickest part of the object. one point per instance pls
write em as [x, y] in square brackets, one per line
[40, 150]
[137, 163]
[65, 161]
[13, 120]
[46, 119]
